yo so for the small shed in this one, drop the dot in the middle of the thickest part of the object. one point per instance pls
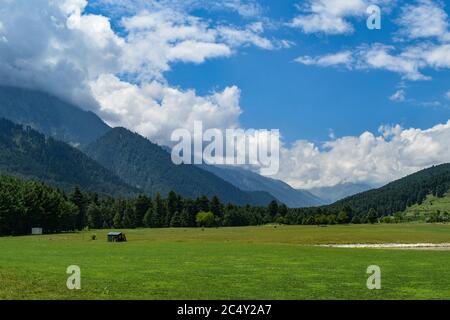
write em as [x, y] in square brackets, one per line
[116, 237]
[36, 231]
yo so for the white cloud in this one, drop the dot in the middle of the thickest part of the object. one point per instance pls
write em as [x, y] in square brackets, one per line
[249, 35]
[369, 158]
[437, 56]
[56, 47]
[409, 63]
[245, 8]
[51, 47]
[399, 96]
[155, 39]
[329, 16]
[154, 110]
[340, 58]
[424, 19]
[447, 95]
[380, 57]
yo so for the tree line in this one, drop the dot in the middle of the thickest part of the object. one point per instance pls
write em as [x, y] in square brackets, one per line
[25, 204]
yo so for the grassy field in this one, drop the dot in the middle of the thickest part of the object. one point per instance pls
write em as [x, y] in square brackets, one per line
[230, 263]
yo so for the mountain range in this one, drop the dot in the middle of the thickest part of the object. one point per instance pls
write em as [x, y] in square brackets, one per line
[50, 116]
[400, 194]
[332, 194]
[123, 158]
[149, 168]
[250, 181]
[29, 154]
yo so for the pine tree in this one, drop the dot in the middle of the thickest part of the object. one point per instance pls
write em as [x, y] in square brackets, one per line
[78, 199]
[117, 221]
[203, 204]
[273, 209]
[172, 207]
[148, 218]
[185, 219]
[372, 216]
[141, 206]
[282, 210]
[94, 216]
[128, 218]
[176, 220]
[216, 207]
[160, 212]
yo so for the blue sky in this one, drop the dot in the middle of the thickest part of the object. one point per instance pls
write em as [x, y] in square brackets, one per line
[310, 102]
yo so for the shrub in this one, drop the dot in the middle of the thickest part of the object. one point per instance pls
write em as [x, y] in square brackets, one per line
[205, 219]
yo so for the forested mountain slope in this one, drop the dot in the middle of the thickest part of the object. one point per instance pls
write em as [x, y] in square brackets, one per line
[149, 167]
[27, 153]
[50, 115]
[400, 194]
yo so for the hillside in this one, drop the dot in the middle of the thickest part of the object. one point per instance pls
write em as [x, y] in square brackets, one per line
[332, 194]
[50, 116]
[149, 167]
[432, 209]
[27, 153]
[250, 181]
[398, 195]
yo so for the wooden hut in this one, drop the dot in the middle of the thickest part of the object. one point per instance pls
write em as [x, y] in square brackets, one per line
[116, 237]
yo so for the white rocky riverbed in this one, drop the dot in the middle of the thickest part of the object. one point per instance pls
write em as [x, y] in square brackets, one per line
[417, 246]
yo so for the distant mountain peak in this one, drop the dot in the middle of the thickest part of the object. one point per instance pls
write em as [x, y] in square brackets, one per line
[251, 181]
[140, 162]
[339, 191]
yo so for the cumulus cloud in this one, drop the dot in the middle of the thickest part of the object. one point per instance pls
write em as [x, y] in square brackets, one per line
[156, 110]
[49, 46]
[409, 62]
[57, 47]
[369, 158]
[378, 56]
[424, 19]
[329, 16]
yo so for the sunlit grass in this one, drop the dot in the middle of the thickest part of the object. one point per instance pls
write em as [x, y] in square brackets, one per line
[229, 263]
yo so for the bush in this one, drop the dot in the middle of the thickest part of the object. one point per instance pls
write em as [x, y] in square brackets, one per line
[387, 219]
[205, 219]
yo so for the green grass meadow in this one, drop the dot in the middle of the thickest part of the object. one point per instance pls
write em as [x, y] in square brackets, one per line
[428, 207]
[228, 263]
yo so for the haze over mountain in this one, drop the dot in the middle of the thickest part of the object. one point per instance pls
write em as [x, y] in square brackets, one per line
[50, 115]
[149, 167]
[250, 181]
[332, 194]
[27, 153]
